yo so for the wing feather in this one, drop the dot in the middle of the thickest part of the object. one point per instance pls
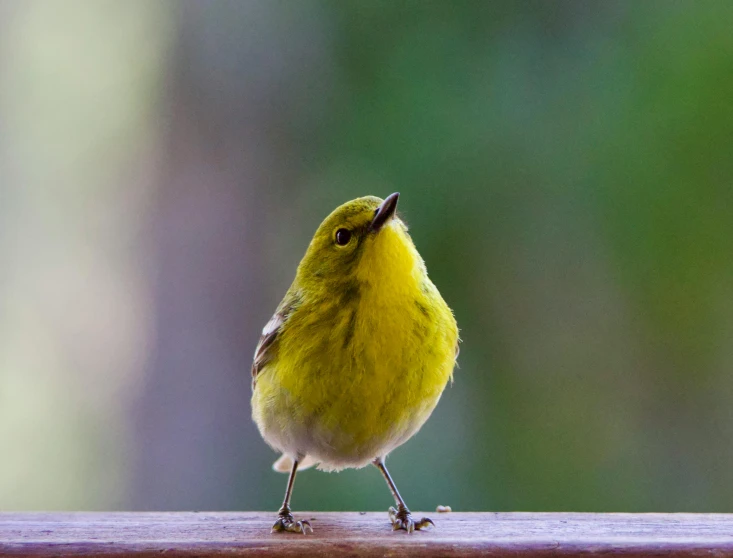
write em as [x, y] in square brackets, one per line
[264, 350]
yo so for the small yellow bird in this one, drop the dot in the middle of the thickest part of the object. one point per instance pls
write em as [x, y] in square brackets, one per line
[357, 354]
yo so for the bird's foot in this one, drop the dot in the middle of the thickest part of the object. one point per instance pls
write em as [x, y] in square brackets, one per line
[402, 519]
[286, 522]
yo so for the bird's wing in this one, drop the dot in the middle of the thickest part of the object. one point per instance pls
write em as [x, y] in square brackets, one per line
[269, 334]
[264, 350]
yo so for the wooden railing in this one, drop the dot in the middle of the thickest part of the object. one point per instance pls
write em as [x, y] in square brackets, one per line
[365, 534]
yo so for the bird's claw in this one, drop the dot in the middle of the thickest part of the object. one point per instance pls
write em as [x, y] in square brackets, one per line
[286, 522]
[402, 519]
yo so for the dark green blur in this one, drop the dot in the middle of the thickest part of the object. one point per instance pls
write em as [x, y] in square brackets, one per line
[567, 172]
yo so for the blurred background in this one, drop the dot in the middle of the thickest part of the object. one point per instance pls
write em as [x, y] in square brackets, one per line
[567, 173]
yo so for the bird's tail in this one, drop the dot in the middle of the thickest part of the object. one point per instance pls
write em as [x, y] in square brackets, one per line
[285, 464]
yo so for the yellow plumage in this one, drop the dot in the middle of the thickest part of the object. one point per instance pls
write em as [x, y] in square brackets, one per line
[360, 349]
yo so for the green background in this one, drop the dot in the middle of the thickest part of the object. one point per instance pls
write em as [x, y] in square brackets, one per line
[566, 171]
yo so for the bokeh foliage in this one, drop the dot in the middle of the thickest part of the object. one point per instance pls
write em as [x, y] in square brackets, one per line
[566, 172]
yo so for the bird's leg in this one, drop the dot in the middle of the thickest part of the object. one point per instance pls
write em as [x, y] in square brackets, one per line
[401, 517]
[285, 520]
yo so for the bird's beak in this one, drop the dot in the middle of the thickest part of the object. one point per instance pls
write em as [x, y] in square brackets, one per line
[385, 212]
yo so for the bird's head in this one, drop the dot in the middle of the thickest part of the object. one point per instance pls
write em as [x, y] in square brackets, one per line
[362, 240]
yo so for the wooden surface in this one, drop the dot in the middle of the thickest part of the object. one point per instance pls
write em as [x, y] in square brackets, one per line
[355, 534]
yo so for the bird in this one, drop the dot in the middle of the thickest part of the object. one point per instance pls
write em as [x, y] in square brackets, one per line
[357, 354]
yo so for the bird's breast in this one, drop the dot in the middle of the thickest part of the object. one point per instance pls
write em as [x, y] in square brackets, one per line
[361, 374]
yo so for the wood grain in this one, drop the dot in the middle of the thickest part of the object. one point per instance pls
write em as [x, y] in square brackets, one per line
[357, 534]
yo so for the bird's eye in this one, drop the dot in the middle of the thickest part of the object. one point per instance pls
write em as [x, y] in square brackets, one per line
[343, 236]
